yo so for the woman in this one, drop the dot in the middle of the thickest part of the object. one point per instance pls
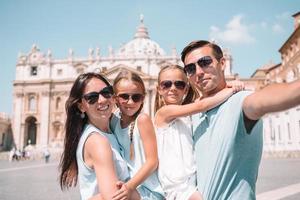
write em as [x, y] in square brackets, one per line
[91, 152]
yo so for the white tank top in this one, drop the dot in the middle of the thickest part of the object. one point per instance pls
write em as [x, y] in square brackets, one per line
[175, 152]
[87, 177]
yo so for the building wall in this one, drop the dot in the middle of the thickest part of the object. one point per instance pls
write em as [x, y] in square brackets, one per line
[282, 129]
[6, 140]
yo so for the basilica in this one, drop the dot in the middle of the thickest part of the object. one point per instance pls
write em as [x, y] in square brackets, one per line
[42, 84]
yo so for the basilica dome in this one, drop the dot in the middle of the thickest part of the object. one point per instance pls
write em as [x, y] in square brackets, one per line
[141, 45]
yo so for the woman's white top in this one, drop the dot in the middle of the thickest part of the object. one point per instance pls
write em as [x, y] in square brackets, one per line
[175, 152]
[87, 177]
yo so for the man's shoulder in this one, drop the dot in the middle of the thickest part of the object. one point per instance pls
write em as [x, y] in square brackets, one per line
[237, 98]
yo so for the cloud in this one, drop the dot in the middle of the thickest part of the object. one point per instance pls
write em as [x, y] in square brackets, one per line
[283, 16]
[264, 24]
[277, 28]
[279, 25]
[236, 32]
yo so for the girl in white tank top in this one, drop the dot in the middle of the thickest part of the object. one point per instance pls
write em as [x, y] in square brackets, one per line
[173, 106]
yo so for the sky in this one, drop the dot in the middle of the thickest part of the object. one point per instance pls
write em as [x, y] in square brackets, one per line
[252, 30]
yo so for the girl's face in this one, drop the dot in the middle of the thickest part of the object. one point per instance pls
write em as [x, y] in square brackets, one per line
[129, 97]
[172, 86]
[97, 101]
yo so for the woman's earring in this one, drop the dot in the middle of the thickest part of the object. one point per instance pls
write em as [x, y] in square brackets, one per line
[82, 115]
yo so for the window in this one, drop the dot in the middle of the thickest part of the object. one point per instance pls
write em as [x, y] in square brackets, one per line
[33, 70]
[289, 131]
[59, 72]
[3, 138]
[271, 130]
[80, 70]
[31, 103]
[139, 68]
[279, 134]
[57, 104]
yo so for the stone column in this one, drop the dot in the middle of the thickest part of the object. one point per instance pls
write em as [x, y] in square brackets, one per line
[44, 119]
[17, 119]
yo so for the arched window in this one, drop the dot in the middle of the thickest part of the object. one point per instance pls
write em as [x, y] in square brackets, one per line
[30, 131]
[57, 103]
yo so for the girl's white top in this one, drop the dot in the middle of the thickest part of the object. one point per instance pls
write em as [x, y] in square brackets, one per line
[176, 155]
[87, 177]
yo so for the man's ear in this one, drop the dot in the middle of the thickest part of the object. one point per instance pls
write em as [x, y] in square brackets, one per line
[222, 64]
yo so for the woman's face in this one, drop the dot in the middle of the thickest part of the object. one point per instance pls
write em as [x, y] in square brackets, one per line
[97, 101]
[172, 86]
[129, 96]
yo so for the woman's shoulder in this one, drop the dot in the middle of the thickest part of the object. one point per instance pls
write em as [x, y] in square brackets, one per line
[97, 141]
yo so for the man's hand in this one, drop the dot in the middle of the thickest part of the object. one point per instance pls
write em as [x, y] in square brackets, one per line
[236, 86]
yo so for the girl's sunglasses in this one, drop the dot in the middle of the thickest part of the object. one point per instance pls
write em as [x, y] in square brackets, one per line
[136, 97]
[203, 62]
[93, 97]
[180, 85]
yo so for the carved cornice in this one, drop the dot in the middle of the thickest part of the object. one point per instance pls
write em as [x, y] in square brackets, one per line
[46, 93]
[59, 93]
[19, 94]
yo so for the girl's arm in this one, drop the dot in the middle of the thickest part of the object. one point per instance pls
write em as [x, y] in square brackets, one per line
[169, 112]
[146, 129]
[98, 155]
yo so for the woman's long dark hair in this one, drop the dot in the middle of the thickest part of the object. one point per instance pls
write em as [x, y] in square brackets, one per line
[73, 129]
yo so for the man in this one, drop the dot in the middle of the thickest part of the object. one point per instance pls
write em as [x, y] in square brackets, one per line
[228, 138]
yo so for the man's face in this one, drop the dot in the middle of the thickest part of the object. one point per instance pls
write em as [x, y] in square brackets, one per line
[209, 77]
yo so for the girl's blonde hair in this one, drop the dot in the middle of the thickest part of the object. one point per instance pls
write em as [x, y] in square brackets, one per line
[131, 76]
[191, 95]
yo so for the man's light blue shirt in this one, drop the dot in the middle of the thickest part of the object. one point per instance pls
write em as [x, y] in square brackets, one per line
[227, 156]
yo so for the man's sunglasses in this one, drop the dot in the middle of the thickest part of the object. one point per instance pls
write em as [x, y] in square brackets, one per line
[180, 85]
[93, 97]
[203, 62]
[136, 97]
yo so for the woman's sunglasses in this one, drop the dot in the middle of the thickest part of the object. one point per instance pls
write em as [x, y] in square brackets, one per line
[180, 85]
[203, 62]
[93, 97]
[136, 97]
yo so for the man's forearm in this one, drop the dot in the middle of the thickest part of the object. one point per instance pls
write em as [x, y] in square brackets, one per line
[273, 98]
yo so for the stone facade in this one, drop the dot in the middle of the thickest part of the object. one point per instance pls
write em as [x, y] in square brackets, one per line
[6, 139]
[282, 129]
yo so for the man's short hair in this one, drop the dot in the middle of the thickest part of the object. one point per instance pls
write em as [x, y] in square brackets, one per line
[217, 51]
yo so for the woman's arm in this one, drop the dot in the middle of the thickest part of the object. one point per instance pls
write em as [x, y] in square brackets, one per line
[146, 129]
[169, 112]
[98, 155]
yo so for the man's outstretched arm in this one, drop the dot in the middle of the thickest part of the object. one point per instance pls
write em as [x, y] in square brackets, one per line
[273, 98]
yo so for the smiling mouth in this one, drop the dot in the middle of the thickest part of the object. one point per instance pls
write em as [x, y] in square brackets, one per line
[103, 108]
